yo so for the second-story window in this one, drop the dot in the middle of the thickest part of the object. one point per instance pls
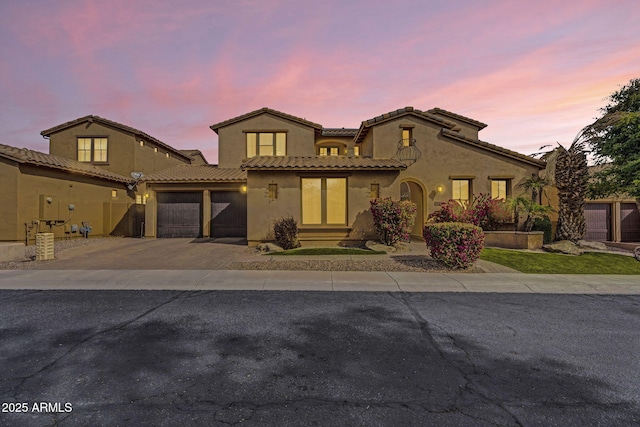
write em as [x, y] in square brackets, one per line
[407, 137]
[329, 151]
[92, 150]
[266, 144]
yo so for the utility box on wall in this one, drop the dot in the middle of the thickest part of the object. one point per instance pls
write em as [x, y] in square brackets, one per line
[48, 207]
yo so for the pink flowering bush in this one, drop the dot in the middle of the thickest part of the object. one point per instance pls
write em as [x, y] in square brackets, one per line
[483, 211]
[393, 219]
[456, 244]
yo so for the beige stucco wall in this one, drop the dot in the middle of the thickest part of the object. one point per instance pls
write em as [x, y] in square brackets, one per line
[232, 149]
[9, 201]
[91, 196]
[125, 155]
[264, 211]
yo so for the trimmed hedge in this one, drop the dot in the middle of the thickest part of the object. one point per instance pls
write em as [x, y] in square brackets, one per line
[456, 244]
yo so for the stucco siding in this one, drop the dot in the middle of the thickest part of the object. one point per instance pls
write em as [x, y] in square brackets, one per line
[91, 198]
[124, 153]
[9, 173]
[233, 149]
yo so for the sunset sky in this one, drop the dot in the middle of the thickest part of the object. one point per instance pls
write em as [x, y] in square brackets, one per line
[535, 71]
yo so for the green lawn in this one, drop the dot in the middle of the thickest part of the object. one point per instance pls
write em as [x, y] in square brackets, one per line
[587, 263]
[327, 251]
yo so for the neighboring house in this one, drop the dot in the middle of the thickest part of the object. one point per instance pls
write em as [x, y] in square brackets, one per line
[273, 164]
[86, 178]
[45, 193]
[613, 219]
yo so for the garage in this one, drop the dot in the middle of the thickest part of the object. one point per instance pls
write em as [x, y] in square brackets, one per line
[179, 214]
[598, 219]
[629, 222]
[228, 214]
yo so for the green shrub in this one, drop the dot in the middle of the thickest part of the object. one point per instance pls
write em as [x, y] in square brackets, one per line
[456, 244]
[286, 233]
[393, 219]
[482, 211]
[543, 224]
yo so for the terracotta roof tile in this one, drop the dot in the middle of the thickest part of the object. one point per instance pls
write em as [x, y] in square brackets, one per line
[98, 119]
[24, 155]
[322, 163]
[455, 116]
[263, 110]
[194, 153]
[367, 124]
[197, 173]
[493, 148]
[339, 132]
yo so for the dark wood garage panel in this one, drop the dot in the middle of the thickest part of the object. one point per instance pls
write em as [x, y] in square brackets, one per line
[629, 222]
[179, 214]
[228, 214]
[598, 218]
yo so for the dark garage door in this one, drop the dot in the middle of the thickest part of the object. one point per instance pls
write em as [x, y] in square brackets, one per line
[598, 218]
[228, 214]
[629, 222]
[179, 214]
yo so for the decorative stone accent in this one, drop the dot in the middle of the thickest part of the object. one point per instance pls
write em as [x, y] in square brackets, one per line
[563, 247]
[377, 246]
[268, 247]
[588, 244]
[636, 253]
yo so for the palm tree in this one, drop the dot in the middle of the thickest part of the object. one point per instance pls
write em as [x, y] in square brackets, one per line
[568, 169]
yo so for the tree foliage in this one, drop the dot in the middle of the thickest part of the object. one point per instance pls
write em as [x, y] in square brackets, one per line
[614, 140]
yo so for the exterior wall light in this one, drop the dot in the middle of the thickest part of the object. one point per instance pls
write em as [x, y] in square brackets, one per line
[440, 188]
[243, 189]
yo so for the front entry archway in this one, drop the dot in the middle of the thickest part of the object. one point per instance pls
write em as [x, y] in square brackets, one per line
[411, 190]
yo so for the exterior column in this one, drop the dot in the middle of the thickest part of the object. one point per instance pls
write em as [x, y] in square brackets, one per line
[616, 232]
[150, 213]
[206, 213]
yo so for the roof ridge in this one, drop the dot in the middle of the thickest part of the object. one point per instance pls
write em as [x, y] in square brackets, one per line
[92, 117]
[214, 127]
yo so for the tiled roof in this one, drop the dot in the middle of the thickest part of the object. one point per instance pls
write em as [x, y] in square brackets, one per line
[339, 132]
[24, 155]
[194, 153]
[494, 148]
[364, 127]
[264, 110]
[197, 173]
[455, 116]
[322, 163]
[98, 119]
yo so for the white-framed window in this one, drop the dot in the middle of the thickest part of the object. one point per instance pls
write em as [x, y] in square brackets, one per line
[266, 144]
[460, 189]
[499, 188]
[92, 150]
[324, 201]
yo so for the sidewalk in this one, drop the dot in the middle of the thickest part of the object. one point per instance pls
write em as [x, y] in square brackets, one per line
[204, 280]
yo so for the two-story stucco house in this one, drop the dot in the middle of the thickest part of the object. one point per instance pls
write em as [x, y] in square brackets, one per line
[273, 164]
[85, 179]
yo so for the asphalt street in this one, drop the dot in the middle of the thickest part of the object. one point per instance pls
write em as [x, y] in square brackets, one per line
[145, 358]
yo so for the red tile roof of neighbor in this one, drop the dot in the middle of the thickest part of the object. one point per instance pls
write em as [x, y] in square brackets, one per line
[98, 119]
[197, 173]
[24, 155]
[321, 163]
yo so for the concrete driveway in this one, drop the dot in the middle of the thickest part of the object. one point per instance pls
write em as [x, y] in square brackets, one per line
[153, 254]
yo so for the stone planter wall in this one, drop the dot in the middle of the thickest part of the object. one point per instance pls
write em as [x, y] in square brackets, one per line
[513, 239]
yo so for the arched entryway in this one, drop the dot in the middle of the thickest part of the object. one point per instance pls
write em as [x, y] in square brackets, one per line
[411, 190]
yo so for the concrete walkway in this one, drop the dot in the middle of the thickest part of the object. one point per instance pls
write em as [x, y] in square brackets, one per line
[189, 280]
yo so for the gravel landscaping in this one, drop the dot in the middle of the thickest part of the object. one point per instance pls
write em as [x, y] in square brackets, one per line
[29, 260]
